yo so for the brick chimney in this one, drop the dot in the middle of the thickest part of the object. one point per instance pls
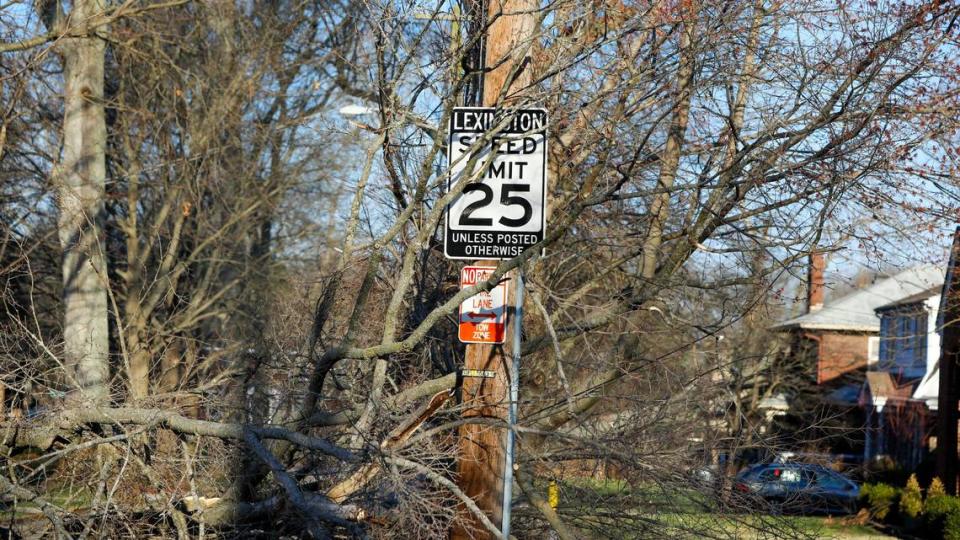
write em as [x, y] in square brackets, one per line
[815, 282]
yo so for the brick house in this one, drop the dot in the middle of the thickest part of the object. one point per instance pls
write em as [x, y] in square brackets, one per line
[841, 338]
[833, 345]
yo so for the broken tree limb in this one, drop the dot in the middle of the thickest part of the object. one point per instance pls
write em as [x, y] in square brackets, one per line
[182, 424]
[396, 401]
[62, 423]
[216, 511]
[315, 508]
[399, 435]
[18, 435]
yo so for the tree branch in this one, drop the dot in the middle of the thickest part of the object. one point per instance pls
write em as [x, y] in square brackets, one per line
[71, 418]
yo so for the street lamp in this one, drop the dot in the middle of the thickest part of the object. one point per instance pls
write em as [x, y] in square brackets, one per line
[355, 110]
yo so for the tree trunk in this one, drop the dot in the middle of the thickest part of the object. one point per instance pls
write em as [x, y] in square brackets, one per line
[670, 158]
[80, 188]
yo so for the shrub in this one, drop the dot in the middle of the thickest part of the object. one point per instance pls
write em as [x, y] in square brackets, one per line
[936, 488]
[942, 516]
[911, 502]
[880, 498]
[951, 527]
[938, 506]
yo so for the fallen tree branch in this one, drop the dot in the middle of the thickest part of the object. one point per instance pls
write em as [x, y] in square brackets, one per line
[17, 435]
[436, 478]
[215, 512]
[395, 401]
[314, 507]
[8, 489]
[43, 435]
[52, 457]
[399, 435]
[182, 424]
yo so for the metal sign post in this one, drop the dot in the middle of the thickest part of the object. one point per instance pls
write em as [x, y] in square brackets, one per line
[512, 415]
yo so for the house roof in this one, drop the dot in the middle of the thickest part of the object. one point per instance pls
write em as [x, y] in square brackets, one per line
[856, 311]
[913, 298]
[777, 402]
[880, 388]
[881, 384]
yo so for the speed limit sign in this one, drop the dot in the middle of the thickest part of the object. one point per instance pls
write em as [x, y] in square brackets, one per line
[501, 210]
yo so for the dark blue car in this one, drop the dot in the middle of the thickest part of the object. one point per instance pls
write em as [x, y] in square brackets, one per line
[798, 488]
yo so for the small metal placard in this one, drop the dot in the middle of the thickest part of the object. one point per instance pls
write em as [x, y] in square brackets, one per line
[485, 373]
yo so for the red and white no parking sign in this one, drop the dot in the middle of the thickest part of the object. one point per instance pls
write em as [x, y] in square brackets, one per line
[483, 316]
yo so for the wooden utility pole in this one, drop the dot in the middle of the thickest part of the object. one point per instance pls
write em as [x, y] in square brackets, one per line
[481, 452]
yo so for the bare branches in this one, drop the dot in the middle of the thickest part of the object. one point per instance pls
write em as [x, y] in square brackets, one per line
[280, 310]
[315, 507]
[72, 418]
[85, 26]
[10, 491]
[563, 530]
[448, 484]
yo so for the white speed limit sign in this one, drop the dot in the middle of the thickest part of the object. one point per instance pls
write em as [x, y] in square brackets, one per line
[502, 212]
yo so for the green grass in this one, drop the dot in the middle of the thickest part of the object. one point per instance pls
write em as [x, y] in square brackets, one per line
[614, 508]
[703, 525]
[599, 487]
[619, 493]
[833, 527]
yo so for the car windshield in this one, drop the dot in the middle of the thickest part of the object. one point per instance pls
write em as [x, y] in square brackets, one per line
[751, 472]
[828, 479]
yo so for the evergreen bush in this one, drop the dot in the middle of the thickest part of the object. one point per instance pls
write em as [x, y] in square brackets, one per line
[937, 511]
[938, 506]
[911, 501]
[951, 526]
[936, 488]
[880, 498]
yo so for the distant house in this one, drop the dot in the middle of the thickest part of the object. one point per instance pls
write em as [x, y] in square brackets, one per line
[868, 352]
[842, 337]
[900, 391]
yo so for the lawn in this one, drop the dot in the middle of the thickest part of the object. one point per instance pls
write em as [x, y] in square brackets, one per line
[836, 528]
[613, 509]
[690, 525]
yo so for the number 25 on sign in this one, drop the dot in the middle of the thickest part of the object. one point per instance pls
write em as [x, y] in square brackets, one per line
[483, 315]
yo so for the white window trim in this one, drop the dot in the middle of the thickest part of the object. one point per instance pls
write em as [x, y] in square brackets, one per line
[873, 350]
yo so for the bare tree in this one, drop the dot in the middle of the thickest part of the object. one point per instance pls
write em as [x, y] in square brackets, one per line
[276, 334]
[81, 178]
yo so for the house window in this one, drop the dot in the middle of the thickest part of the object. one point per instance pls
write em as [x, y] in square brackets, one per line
[903, 340]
